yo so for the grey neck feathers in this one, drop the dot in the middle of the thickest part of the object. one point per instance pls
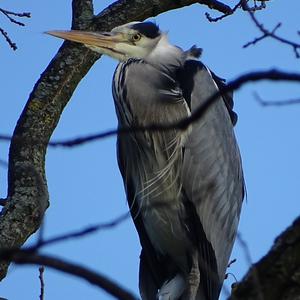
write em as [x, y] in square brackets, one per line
[166, 57]
[169, 58]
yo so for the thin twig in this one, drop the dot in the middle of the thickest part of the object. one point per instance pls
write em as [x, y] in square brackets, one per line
[42, 282]
[79, 233]
[267, 33]
[21, 15]
[211, 19]
[231, 274]
[7, 38]
[258, 39]
[8, 14]
[231, 262]
[278, 103]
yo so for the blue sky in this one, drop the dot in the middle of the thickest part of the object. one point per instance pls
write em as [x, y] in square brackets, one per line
[84, 183]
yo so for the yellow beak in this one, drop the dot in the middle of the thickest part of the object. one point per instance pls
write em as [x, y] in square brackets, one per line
[104, 40]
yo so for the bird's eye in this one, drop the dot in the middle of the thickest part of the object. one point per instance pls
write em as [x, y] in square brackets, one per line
[136, 37]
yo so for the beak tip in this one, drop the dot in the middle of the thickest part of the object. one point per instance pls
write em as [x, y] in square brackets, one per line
[54, 32]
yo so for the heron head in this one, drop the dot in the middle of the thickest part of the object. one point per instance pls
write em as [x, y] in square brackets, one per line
[132, 40]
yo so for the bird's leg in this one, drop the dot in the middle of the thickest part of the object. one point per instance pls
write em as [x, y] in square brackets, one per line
[193, 279]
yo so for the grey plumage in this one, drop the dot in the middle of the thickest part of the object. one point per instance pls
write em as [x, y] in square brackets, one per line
[196, 203]
[184, 188]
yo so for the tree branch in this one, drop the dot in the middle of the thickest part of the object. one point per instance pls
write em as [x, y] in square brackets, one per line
[83, 12]
[25, 257]
[42, 282]
[224, 15]
[8, 14]
[124, 11]
[277, 103]
[8, 39]
[277, 273]
[266, 33]
[79, 233]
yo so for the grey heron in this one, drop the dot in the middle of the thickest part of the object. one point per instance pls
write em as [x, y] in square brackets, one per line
[184, 187]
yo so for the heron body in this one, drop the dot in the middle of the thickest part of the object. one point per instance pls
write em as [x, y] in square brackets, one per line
[184, 187]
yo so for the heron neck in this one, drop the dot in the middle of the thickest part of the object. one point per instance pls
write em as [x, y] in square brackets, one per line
[166, 57]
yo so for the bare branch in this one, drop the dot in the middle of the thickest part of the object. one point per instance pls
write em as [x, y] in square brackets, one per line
[231, 262]
[267, 33]
[25, 257]
[254, 8]
[4, 137]
[124, 11]
[277, 272]
[278, 103]
[211, 19]
[83, 12]
[42, 282]
[7, 38]
[8, 14]
[216, 5]
[80, 233]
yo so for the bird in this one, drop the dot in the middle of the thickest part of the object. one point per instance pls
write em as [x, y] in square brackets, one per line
[184, 187]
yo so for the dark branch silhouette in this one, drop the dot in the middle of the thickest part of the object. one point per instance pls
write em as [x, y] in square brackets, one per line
[276, 275]
[79, 233]
[211, 19]
[267, 33]
[111, 287]
[8, 40]
[11, 16]
[42, 282]
[254, 8]
[278, 103]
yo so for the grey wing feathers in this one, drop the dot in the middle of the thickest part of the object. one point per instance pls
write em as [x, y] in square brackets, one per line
[212, 173]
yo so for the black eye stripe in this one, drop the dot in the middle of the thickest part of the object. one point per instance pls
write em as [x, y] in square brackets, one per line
[147, 29]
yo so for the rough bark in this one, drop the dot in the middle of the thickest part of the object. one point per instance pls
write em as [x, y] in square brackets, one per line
[277, 275]
[27, 197]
